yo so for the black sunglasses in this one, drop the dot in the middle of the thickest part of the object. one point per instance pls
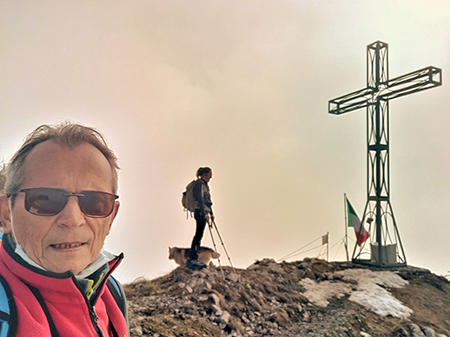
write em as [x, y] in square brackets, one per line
[50, 201]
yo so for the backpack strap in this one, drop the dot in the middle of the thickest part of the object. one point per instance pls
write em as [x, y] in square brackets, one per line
[54, 332]
[118, 294]
[8, 311]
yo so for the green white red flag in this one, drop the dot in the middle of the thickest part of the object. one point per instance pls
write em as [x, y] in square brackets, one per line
[353, 221]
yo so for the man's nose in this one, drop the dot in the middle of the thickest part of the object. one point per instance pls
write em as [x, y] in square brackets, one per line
[71, 215]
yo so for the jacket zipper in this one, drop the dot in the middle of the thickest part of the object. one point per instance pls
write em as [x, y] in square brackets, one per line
[92, 313]
[94, 319]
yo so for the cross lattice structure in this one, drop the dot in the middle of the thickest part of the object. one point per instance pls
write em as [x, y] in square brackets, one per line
[385, 247]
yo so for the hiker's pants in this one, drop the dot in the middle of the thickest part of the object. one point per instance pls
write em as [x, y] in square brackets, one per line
[200, 229]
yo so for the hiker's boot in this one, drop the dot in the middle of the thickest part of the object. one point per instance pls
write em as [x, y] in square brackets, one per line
[195, 264]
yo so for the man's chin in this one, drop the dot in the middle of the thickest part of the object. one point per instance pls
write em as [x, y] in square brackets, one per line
[64, 260]
[68, 265]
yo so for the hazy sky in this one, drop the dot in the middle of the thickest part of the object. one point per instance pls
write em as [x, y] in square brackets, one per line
[242, 87]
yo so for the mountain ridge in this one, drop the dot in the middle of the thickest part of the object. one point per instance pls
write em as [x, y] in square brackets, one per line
[311, 297]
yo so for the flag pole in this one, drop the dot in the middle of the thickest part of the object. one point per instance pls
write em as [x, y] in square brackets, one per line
[346, 225]
[328, 246]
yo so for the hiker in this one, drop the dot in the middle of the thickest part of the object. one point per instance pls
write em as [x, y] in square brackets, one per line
[59, 204]
[203, 214]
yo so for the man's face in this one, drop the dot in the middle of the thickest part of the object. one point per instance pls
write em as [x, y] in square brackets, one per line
[68, 240]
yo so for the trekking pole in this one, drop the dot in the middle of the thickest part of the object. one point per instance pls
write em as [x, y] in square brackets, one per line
[215, 247]
[225, 249]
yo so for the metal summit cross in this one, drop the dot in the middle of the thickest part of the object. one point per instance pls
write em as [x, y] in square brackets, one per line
[385, 247]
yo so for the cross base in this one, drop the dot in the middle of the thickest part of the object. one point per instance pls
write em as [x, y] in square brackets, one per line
[379, 265]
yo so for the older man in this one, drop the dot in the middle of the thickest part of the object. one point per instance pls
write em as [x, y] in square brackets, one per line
[59, 204]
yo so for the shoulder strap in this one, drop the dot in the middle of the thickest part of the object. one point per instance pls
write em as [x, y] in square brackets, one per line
[8, 311]
[119, 296]
[40, 299]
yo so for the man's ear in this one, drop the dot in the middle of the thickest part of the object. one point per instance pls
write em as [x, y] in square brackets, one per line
[5, 214]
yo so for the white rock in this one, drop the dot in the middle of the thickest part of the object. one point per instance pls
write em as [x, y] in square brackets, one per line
[429, 332]
[203, 298]
[233, 277]
[216, 299]
[217, 310]
[225, 317]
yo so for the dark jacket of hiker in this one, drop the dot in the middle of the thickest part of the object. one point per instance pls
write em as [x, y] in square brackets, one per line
[203, 197]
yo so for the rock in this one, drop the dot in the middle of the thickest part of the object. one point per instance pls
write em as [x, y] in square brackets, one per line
[305, 315]
[234, 277]
[275, 268]
[225, 317]
[217, 310]
[215, 298]
[136, 331]
[428, 332]
[416, 331]
[281, 318]
[203, 298]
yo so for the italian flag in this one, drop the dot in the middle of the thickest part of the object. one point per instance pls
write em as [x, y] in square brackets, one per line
[353, 221]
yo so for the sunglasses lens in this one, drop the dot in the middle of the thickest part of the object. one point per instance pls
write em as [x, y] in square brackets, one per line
[45, 201]
[51, 201]
[96, 204]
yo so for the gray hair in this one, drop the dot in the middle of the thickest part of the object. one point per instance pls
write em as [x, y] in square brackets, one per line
[67, 133]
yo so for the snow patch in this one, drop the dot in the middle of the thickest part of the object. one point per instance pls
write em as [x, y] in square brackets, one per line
[368, 291]
[320, 293]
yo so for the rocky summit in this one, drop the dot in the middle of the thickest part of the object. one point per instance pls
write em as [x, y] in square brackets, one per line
[304, 298]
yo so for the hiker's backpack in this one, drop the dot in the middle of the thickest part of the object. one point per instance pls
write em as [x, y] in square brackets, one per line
[8, 314]
[187, 199]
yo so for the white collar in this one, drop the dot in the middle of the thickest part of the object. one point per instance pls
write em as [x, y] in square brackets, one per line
[102, 258]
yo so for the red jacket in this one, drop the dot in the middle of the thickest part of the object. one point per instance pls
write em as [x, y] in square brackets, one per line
[67, 304]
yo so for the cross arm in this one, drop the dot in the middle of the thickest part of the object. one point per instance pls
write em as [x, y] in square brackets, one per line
[350, 102]
[415, 81]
